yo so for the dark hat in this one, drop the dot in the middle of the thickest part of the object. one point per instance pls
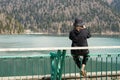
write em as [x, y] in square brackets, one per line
[78, 22]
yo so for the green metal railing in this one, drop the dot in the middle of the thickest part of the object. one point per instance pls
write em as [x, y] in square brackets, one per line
[60, 65]
[57, 63]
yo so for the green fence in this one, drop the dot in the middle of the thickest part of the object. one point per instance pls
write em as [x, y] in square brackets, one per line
[59, 65]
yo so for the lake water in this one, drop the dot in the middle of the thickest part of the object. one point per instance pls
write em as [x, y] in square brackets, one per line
[38, 40]
[42, 66]
[28, 41]
[23, 41]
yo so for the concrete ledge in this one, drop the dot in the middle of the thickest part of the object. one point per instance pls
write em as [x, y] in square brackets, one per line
[109, 75]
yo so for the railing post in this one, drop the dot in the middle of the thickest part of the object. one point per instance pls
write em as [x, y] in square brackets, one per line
[57, 63]
[53, 67]
[62, 61]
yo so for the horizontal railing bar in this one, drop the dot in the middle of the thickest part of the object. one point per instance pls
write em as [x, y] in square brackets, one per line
[23, 56]
[57, 48]
[44, 56]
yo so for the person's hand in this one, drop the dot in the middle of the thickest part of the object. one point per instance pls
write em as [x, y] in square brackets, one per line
[84, 26]
[78, 28]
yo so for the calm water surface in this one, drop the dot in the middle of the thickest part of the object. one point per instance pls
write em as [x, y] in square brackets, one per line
[21, 66]
[37, 41]
[29, 41]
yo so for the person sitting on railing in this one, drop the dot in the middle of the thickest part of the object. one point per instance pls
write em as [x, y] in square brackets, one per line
[79, 37]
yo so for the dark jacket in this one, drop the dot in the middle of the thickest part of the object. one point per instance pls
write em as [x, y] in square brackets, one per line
[79, 39]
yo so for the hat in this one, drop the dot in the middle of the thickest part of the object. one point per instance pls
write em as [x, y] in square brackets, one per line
[78, 22]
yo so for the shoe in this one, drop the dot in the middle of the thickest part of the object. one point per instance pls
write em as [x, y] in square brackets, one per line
[83, 73]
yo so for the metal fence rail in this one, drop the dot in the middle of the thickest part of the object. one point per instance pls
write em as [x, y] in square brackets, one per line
[99, 67]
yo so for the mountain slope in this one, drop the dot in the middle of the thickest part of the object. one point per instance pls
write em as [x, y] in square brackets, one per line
[57, 16]
[109, 1]
[9, 25]
[116, 5]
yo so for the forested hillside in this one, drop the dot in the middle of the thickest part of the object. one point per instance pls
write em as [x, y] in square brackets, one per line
[9, 25]
[57, 16]
[116, 5]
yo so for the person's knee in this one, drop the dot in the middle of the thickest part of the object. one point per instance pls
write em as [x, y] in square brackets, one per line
[75, 58]
[87, 57]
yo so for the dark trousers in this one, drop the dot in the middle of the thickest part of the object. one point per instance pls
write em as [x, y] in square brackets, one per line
[79, 61]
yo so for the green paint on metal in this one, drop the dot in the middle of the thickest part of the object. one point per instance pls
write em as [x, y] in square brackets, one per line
[57, 63]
